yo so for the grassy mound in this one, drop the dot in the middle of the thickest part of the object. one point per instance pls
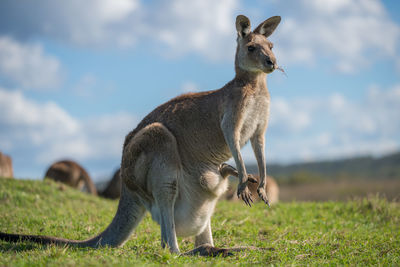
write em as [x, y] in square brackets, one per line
[359, 232]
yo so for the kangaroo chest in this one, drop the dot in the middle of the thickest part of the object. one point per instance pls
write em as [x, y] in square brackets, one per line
[255, 116]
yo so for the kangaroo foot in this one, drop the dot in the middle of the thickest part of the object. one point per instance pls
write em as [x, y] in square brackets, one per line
[209, 251]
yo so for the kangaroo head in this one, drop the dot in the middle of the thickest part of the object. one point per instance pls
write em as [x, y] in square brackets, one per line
[254, 50]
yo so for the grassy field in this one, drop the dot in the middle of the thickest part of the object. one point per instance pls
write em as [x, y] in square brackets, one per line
[359, 232]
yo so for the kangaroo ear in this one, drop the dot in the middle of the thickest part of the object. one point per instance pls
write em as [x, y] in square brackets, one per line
[268, 26]
[242, 25]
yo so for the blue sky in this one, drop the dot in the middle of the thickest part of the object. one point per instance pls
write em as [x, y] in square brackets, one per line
[76, 77]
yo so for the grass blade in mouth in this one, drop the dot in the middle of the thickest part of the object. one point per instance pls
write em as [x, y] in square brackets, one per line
[282, 70]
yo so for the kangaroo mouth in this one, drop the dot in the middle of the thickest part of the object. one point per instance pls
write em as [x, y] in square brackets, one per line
[268, 68]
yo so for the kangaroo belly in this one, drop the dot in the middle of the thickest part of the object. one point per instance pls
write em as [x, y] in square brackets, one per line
[191, 220]
[196, 201]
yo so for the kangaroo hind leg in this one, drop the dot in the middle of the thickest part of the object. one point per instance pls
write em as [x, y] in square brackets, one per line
[165, 192]
[159, 179]
[163, 175]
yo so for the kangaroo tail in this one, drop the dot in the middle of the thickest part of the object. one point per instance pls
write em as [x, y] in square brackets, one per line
[129, 214]
[41, 239]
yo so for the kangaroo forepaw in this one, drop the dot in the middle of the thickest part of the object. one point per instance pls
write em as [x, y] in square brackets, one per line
[263, 195]
[244, 194]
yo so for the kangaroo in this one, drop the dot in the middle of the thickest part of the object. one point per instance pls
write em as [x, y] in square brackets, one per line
[113, 189]
[72, 174]
[6, 169]
[172, 161]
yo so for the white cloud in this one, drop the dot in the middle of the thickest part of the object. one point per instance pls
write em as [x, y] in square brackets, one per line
[287, 116]
[27, 66]
[375, 115]
[100, 138]
[43, 132]
[203, 26]
[352, 33]
[82, 23]
[335, 127]
[106, 133]
[22, 119]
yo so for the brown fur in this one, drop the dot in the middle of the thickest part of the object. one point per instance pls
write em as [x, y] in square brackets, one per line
[71, 173]
[6, 169]
[113, 189]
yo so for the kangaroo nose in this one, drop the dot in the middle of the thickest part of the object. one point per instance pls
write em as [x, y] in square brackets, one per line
[269, 62]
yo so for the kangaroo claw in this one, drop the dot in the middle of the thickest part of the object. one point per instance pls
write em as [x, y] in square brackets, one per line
[245, 194]
[263, 195]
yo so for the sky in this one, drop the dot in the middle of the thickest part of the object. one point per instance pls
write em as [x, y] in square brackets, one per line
[77, 76]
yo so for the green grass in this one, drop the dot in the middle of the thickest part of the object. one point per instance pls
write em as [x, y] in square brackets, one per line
[360, 232]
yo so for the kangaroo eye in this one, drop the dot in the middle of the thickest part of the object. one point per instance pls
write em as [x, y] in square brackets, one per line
[251, 48]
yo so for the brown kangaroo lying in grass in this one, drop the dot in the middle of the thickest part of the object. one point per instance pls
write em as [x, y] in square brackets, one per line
[71, 173]
[172, 162]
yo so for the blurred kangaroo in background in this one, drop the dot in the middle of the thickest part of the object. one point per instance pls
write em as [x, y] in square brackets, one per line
[6, 169]
[71, 173]
[113, 188]
[172, 162]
